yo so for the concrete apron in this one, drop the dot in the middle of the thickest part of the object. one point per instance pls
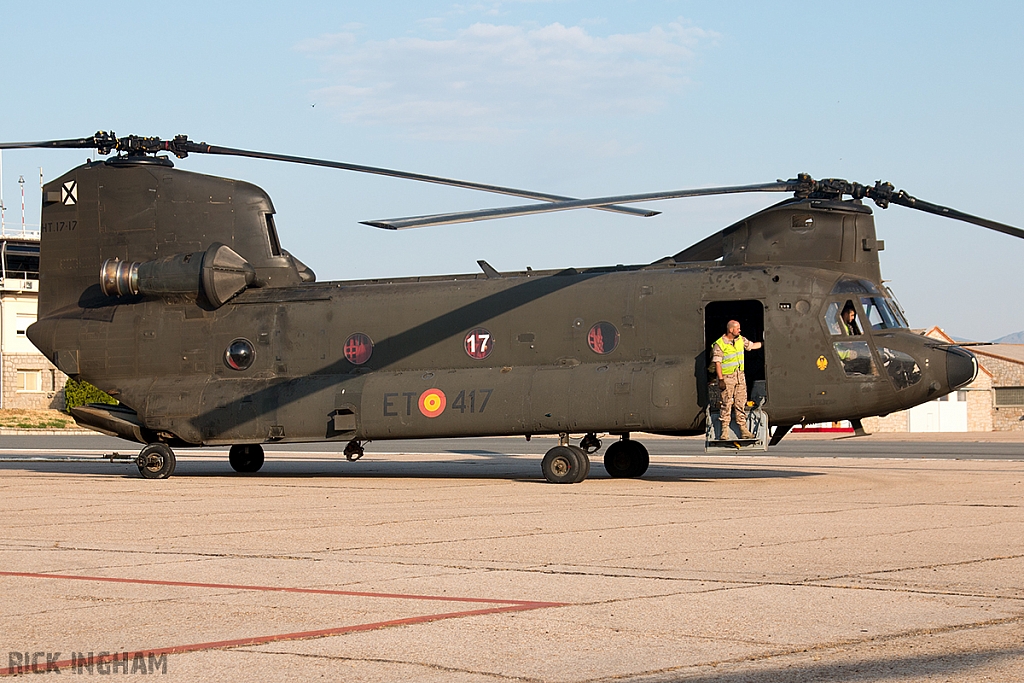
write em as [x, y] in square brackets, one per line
[471, 567]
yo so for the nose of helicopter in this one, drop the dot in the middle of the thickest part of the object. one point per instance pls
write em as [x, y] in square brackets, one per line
[961, 367]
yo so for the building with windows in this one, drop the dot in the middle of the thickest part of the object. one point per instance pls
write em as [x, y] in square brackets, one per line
[1006, 363]
[27, 378]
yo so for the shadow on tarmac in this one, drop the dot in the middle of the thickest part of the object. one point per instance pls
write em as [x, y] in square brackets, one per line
[943, 666]
[510, 468]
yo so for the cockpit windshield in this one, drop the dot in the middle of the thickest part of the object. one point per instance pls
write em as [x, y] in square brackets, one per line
[881, 314]
[849, 285]
[896, 308]
[879, 305]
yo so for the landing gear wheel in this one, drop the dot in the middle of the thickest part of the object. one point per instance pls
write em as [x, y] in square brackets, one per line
[626, 459]
[561, 465]
[354, 450]
[246, 457]
[156, 461]
[641, 459]
[590, 443]
[584, 459]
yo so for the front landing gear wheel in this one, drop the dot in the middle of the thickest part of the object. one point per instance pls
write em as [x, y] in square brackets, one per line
[584, 459]
[156, 461]
[562, 465]
[626, 458]
[246, 457]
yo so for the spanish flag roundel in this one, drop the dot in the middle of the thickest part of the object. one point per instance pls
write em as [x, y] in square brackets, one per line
[432, 402]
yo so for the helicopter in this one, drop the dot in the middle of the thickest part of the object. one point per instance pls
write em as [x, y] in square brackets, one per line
[171, 291]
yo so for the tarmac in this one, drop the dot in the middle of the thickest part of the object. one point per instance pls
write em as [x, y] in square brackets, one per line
[870, 559]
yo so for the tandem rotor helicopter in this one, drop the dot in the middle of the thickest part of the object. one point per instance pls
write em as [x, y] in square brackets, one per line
[172, 292]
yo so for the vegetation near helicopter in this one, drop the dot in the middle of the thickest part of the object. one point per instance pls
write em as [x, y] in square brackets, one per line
[171, 291]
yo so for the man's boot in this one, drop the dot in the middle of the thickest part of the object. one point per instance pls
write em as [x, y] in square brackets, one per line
[745, 433]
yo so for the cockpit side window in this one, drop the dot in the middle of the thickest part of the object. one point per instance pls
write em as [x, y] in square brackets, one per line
[901, 368]
[856, 358]
[841, 319]
[880, 315]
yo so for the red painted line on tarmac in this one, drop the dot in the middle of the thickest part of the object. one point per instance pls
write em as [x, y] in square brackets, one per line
[502, 606]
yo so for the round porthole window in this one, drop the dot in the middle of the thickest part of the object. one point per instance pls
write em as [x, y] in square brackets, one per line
[603, 338]
[358, 348]
[240, 354]
[478, 343]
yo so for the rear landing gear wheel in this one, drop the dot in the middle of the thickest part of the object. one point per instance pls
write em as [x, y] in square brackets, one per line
[246, 457]
[156, 461]
[626, 459]
[562, 465]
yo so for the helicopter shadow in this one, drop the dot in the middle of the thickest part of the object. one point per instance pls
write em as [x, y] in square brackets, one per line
[524, 469]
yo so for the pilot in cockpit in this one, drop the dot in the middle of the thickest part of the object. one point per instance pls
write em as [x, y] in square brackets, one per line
[848, 318]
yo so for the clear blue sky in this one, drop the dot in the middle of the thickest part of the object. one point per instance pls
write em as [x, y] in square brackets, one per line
[581, 98]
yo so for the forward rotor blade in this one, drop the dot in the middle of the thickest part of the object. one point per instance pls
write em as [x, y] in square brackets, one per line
[904, 199]
[597, 202]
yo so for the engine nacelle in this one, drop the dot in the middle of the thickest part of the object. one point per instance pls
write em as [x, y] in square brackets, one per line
[217, 274]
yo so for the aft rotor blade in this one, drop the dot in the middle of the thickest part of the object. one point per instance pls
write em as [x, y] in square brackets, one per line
[498, 189]
[597, 202]
[181, 146]
[904, 199]
[77, 143]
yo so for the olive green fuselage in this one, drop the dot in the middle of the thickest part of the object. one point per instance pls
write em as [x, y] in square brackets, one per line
[544, 372]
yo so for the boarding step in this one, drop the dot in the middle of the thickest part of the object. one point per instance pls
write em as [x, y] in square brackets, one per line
[757, 424]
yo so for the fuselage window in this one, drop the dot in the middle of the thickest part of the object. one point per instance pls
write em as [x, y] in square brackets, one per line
[358, 348]
[240, 354]
[478, 343]
[603, 338]
[275, 243]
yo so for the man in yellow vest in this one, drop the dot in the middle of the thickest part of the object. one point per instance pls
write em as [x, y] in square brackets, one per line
[727, 357]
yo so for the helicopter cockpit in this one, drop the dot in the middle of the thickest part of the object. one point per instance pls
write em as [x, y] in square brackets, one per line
[857, 310]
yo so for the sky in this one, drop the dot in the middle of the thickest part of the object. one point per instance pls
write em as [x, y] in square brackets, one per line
[581, 98]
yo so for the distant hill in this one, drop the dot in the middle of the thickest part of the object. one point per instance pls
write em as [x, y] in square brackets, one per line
[1015, 338]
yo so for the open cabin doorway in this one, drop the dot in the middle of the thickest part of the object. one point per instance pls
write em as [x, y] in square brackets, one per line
[750, 314]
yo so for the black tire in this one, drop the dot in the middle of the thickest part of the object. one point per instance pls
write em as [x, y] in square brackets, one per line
[616, 460]
[641, 459]
[626, 459]
[156, 461]
[246, 457]
[561, 465]
[584, 459]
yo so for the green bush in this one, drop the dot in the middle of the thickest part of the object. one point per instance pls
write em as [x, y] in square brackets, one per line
[78, 393]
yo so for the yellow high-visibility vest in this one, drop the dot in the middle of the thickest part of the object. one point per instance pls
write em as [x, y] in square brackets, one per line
[732, 355]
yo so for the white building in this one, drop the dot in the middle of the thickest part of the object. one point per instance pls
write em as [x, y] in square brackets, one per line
[27, 378]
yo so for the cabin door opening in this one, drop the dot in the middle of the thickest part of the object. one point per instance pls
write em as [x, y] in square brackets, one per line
[750, 314]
